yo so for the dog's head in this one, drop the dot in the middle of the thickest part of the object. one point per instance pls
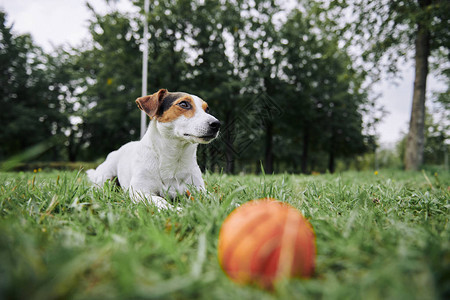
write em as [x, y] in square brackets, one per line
[181, 115]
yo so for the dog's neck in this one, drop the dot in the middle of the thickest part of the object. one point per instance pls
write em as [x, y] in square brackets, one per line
[173, 154]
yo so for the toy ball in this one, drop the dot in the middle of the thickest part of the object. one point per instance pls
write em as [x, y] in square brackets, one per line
[264, 241]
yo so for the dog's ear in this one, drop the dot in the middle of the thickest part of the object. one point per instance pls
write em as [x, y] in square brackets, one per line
[151, 103]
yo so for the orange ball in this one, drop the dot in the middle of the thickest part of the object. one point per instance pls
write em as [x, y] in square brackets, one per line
[264, 241]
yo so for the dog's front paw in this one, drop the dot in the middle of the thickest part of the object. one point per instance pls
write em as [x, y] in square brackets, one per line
[161, 203]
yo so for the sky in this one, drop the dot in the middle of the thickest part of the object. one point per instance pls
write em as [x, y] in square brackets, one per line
[64, 22]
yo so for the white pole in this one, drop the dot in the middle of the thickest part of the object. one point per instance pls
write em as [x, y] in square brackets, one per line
[144, 67]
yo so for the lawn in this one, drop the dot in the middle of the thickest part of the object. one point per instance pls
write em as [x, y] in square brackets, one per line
[382, 235]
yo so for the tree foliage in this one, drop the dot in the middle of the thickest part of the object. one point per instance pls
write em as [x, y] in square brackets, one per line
[390, 32]
[31, 107]
[328, 106]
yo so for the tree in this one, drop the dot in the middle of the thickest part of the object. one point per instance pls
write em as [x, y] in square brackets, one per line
[387, 31]
[437, 128]
[111, 66]
[436, 139]
[203, 26]
[263, 42]
[66, 81]
[256, 82]
[31, 111]
[326, 93]
[111, 79]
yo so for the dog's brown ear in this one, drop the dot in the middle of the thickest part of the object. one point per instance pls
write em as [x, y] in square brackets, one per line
[151, 103]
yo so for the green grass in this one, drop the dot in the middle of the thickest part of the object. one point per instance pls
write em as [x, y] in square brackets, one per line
[383, 236]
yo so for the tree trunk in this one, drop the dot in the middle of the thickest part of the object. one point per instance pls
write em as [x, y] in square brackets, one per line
[416, 138]
[269, 148]
[304, 162]
[268, 124]
[229, 169]
[331, 152]
[229, 147]
[72, 147]
[201, 159]
[331, 161]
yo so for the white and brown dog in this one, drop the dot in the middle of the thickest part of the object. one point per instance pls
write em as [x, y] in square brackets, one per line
[163, 162]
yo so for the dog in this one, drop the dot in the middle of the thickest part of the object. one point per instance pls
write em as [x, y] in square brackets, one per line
[163, 163]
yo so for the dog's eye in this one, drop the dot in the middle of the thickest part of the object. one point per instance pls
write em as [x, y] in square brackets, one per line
[185, 105]
[207, 110]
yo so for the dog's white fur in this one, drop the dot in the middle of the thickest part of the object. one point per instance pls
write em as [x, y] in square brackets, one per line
[163, 162]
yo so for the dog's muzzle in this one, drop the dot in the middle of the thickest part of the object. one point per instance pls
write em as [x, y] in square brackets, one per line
[213, 130]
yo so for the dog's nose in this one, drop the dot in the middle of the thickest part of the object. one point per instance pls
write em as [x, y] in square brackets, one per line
[215, 125]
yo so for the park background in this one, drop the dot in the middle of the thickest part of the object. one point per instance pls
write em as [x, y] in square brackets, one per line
[299, 86]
